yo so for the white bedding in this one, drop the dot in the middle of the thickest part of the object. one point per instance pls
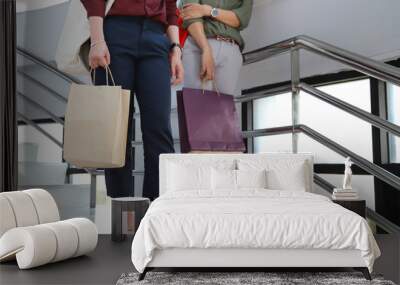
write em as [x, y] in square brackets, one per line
[253, 218]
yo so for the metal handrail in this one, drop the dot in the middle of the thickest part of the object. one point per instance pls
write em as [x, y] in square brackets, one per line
[363, 163]
[101, 172]
[368, 166]
[46, 65]
[53, 116]
[42, 85]
[384, 223]
[40, 129]
[364, 115]
[268, 51]
[360, 63]
[324, 184]
[263, 94]
[269, 132]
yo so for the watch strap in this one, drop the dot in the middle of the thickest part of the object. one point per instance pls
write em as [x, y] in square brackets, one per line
[173, 45]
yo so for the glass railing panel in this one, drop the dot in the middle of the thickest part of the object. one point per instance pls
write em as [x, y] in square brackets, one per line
[336, 124]
[272, 111]
[278, 143]
[330, 121]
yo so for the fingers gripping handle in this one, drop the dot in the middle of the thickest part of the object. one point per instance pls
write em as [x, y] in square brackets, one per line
[108, 71]
[214, 84]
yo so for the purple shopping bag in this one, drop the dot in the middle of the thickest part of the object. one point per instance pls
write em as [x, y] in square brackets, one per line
[208, 121]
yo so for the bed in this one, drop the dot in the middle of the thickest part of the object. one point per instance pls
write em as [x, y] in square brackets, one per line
[247, 211]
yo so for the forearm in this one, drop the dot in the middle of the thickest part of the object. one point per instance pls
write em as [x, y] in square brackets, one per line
[173, 33]
[196, 30]
[228, 18]
[96, 29]
[99, 55]
[175, 55]
[224, 16]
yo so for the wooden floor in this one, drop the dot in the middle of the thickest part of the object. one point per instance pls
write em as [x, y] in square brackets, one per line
[106, 264]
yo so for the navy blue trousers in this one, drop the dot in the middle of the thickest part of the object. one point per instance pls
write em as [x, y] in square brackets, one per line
[139, 52]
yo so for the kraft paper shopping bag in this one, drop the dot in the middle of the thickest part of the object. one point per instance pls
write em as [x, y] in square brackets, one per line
[96, 124]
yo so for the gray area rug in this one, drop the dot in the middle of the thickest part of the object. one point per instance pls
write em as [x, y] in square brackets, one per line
[236, 278]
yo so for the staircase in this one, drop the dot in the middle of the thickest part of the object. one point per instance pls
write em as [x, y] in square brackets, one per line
[42, 96]
[39, 92]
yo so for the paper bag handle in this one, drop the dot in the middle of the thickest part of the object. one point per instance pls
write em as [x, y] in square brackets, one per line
[108, 70]
[203, 82]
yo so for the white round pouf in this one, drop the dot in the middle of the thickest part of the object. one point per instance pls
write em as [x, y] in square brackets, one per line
[31, 233]
[7, 216]
[67, 240]
[32, 246]
[46, 207]
[87, 234]
[23, 208]
[41, 244]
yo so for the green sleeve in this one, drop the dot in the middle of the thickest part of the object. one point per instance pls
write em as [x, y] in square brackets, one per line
[187, 23]
[244, 13]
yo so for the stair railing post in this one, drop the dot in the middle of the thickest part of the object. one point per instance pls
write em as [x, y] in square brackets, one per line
[93, 188]
[295, 80]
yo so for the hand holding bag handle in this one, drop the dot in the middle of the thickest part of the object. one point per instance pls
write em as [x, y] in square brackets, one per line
[214, 84]
[108, 70]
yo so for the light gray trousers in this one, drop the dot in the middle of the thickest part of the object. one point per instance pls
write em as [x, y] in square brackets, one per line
[228, 61]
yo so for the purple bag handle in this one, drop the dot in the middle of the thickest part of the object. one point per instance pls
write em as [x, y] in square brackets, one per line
[203, 82]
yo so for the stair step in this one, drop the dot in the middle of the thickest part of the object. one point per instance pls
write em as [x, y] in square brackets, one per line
[41, 173]
[73, 200]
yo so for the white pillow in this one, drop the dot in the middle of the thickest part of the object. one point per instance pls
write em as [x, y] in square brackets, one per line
[227, 179]
[223, 179]
[251, 178]
[282, 174]
[288, 177]
[192, 173]
[184, 178]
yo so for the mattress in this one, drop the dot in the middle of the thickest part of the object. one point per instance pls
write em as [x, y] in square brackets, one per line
[251, 219]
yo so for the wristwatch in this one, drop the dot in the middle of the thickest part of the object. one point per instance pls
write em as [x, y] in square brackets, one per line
[175, 45]
[214, 12]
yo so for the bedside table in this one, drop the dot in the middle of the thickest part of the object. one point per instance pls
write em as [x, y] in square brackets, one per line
[357, 206]
[126, 214]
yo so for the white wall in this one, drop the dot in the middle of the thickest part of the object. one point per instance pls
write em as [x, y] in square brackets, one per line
[30, 5]
[367, 27]
[39, 28]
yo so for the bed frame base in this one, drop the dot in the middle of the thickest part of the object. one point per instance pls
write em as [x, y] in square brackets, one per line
[143, 274]
[363, 270]
[261, 260]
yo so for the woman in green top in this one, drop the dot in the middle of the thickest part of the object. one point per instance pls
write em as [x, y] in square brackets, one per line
[213, 50]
